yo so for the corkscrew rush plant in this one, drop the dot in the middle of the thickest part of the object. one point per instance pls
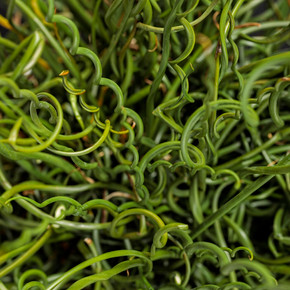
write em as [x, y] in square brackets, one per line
[144, 144]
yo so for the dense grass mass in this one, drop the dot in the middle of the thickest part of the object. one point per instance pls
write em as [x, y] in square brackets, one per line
[144, 144]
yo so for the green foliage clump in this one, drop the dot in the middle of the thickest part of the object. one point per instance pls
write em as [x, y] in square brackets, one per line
[144, 144]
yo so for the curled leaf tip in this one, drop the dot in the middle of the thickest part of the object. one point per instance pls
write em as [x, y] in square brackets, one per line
[64, 73]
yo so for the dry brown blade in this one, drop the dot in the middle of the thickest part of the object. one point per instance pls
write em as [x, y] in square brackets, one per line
[131, 181]
[104, 215]
[167, 157]
[88, 241]
[218, 50]
[272, 163]
[286, 79]
[133, 125]
[214, 18]
[86, 139]
[148, 82]
[156, 45]
[33, 80]
[88, 179]
[28, 192]
[131, 42]
[162, 86]
[118, 194]
[104, 89]
[17, 18]
[120, 19]
[248, 24]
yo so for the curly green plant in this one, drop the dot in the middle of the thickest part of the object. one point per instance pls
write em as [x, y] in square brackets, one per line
[144, 144]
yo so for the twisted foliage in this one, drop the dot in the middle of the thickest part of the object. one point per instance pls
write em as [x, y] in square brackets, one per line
[144, 144]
